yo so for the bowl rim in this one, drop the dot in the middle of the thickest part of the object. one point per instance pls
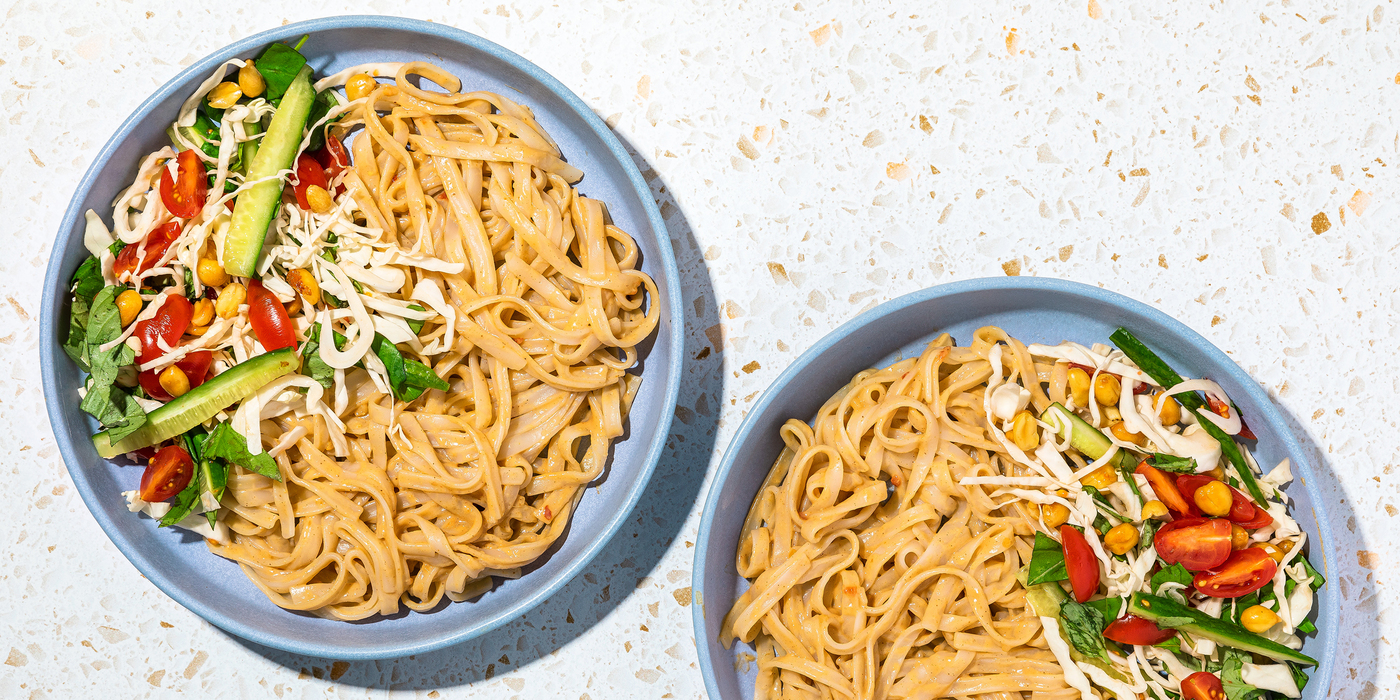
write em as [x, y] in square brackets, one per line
[59, 411]
[1302, 466]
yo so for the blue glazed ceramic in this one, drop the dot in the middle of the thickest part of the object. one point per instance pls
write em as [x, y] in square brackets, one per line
[214, 588]
[1032, 310]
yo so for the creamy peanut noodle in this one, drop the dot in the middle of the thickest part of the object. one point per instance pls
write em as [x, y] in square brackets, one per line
[374, 352]
[1002, 521]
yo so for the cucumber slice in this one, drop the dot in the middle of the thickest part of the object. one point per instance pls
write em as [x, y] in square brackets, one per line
[1166, 612]
[201, 403]
[1084, 437]
[255, 206]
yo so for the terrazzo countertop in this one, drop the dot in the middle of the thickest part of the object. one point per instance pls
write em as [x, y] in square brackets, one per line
[1233, 164]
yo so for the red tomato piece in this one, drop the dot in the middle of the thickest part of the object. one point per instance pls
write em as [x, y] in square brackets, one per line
[1080, 563]
[308, 173]
[150, 250]
[169, 323]
[1165, 488]
[269, 318]
[167, 474]
[185, 195]
[332, 157]
[1196, 543]
[1131, 629]
[1244, 513]
[195, 365]
[1202, 685]
[1246, 571]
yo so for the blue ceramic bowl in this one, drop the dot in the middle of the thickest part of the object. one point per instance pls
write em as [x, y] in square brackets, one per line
[1032, 310]
[214, 588]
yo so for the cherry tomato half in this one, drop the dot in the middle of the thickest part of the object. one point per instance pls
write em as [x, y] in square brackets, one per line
[1165, 488]
[308, 173]
[167, 474]
[1202, 685]
[1080, 562]
[1131, 629]
[169, 323]
[185, 195]
[154, 247]
[1196, 543]
[269, 318]
[332, 157]
[195, 365]
[1246, 571]
[1244, 513]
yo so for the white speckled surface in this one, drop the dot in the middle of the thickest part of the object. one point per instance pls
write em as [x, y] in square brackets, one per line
[811, 160]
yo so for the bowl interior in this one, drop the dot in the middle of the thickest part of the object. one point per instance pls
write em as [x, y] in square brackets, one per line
[214, 588]
[1032, 310]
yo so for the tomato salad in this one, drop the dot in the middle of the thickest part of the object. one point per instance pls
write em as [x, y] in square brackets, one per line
[1165, 563]
[192, 329]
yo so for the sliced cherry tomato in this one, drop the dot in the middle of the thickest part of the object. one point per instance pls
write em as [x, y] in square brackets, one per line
[167, 474]
[195, 365]
[269, 318]
[1196, 543]
[169, 323]
[1131, 629]
[185, 195]
[1165, 488]
[308, 173]
[1080, 562]
[1202, 685]
[1245, 572]
[154, 247]
[1244, 513]
[332, 157]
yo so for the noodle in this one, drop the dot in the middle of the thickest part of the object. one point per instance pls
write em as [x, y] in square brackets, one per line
[874, 573]
[385, 503]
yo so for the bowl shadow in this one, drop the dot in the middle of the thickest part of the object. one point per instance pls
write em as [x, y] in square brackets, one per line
[636, 549]
[1356, 659]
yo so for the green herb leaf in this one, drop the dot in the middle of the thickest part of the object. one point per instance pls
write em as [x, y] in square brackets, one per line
[226, 444]
[279, 65]
[1084, 627]
[1047, 561]
[75, 345]
[393, 363]
[1149, 532]
[185, 501]
[1306, 627]
[325, 101]
[423, 376]
[415, 324]
[1172, 463]
[87, 279]
[1315, 580]
[1176, 573]
[1109, 608]
[1231, 661]
[1103, 505]
[104, 400]
[1300, 677]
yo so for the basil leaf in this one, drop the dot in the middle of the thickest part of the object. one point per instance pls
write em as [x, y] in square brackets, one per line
[1047, 561]
[75, 345]
[1176, 573]
[1103, 505]
[87, 279]
[415, 324]
[279, 65]
[423, 377]
[393, 363]
[1315, 579]
[226, 444]
[110, 404]
[185, 501]
[1172, 463]
[325, 101]
[1232, 662]
[1084, 627]
[1110, 608]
